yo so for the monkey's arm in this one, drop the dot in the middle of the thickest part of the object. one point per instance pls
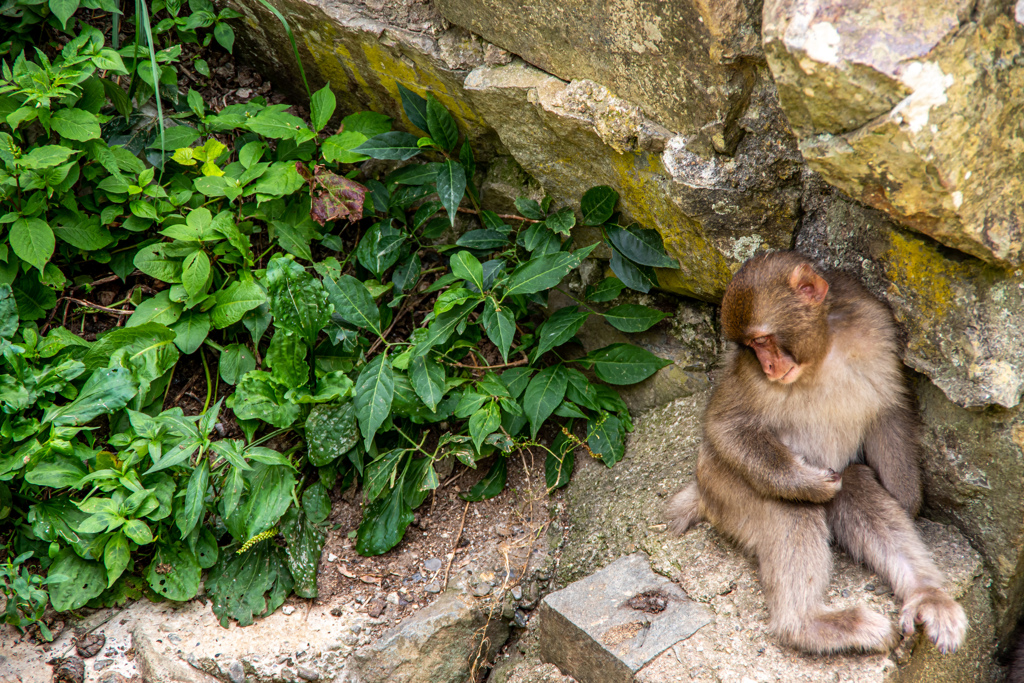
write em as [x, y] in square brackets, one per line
[767, 465]
[891, 449]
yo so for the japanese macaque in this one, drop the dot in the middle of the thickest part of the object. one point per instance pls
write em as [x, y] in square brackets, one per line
[810, 435]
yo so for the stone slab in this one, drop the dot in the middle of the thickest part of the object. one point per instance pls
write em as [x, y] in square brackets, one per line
[610, 624]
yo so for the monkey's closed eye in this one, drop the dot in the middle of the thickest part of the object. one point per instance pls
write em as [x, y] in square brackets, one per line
[759, 340]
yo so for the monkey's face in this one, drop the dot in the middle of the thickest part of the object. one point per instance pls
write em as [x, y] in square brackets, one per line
[774, 307]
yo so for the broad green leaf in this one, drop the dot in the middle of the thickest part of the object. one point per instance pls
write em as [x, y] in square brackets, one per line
[640, 246]
[545, 392]
[639, 278]
[85, 234]
[483, 422]
[115, 557]
[235, 301]
[138, 531]
[500, 326]
[195, 496]
[598, 204]
[75, 124]
[414, 174]
[338, 148]
[633, 317]
[256, 398]
[394, 145]
[415, 107]
[174, 572]
[441, 125]
[9, 314]
[375, 389]
[225, 35]
[561, 221]
[580, 390]
[195, 273]
[559, 328]
[293, 239]
[157, 309]
[381, 472]
[624, 363]
[542, 273]
[235, 361]
[331, 432]
[286, 357]
[559, 462]
[606, 438]
[443, 326]
[33, 241]
[106, 391]
[153, 261]
[428, 380]
[85, 580]
[305, 542]
[190, 332]
[451, 186]
[384, 523]
[492, 484]
[352, 301]
[56, 471]
[466, 267]
[276, 124]
[605, 290]
[516, 379]
[63, 9]
[407, 273]
[33, 298]
[297, 299]
[254, 583]
[529, 208]
[483, 239]
[271, 489]
[322, 106]
[316, 503]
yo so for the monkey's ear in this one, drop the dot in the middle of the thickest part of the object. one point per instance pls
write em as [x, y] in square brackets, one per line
[808, 284]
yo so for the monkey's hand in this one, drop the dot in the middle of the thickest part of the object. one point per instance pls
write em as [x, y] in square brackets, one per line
[944, 620]
[817, 485]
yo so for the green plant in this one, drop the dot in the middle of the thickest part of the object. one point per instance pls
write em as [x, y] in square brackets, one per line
[356, 335]
[25, 595]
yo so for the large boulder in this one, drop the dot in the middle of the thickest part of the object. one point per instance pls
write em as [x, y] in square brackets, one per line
[911, 108]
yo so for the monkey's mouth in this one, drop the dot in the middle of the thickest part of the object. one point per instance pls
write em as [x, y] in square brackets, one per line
[790, 375]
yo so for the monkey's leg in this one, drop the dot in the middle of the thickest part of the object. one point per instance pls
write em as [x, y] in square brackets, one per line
[795, 562]
[683, 509]
[873, 527]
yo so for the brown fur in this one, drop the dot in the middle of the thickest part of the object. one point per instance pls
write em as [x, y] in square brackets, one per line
[1016, 672]
[779, 469]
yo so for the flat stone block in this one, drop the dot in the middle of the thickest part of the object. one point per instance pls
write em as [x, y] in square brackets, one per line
[606, 627]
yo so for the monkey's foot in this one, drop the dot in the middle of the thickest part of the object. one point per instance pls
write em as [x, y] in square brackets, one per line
[943, 618]
[857, 628]
[683, 509]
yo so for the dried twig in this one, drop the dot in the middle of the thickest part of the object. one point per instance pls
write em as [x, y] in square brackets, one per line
[455, 547]
[89, 304]
[514, 364]
[508, 216]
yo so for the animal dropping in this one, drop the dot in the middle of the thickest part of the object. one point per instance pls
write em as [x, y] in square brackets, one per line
[811, 434]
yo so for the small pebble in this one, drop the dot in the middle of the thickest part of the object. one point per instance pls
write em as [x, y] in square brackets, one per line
[869, 587]
[236, 674]
[432, 565]
[481, 589]
[519, 619]
[517, 592]
[101, 664]
[433, 587]
[355, 628]
[174, 637]
[288, 610]
[845, 593]
[393, 598]
[307, 674]
[331, 557]
[336, 612]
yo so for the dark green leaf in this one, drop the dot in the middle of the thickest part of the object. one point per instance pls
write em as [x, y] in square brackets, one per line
[316, 503]
[428, 380]
[500, 326]
[516, 379]
[297, 299]
[597, 204]
[605, 290]
[415, 108]
[545, 392]
[394, 145]
[639, 246]
[174, 572]
[443, 326]
[321, 107]
[633, 317]
[559, 328]
[605, 438]
[75, 124]
[466, 267]
[305, 544]
[545, 272]
[235, 361]
[415, 174]
[105, 391]
[381, 472]
[384, 523]
[483, 422]
[561, 221]
[375, 389]
[580, 390]
[190, 331]
[253, 583]
[624, 363]
[529, 208]
[640, 278]
[32, 240]
[195, 496]
[331, 432]
[85, 580]
[492, 484]
[235, 301]
[451, 186]
[482, 239]
[441, 125]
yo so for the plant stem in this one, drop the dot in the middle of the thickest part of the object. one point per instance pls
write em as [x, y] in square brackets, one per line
[419, 446]
[209, 387]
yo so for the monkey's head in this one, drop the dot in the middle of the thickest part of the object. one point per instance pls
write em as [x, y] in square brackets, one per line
[775, 308]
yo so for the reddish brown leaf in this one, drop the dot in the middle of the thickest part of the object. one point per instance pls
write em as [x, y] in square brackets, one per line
[335, 197]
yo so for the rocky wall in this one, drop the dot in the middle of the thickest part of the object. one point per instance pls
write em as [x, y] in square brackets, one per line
[883, 138]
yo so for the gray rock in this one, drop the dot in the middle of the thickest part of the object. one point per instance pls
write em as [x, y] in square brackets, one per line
[432, 565]
[235, 671]
[307, 674]
[157, 667]
[432, 587]
[610, 624]
[437, 643]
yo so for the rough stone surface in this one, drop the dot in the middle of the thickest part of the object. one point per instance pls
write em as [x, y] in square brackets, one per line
[622, 513]
[911, 108]
[442, 643]
[610, 624]
[676, 60]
